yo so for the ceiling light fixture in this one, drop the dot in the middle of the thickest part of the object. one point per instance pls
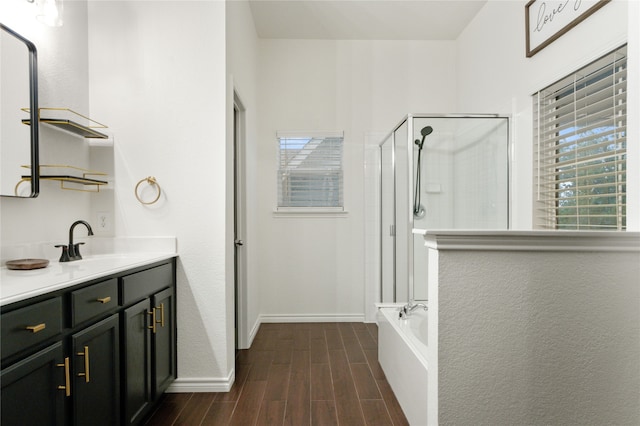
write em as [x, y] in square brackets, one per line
[50, 12]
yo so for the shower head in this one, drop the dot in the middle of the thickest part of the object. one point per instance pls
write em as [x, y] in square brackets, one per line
[424, 132]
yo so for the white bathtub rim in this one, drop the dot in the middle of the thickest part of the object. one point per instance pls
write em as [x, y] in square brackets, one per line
[390, 311]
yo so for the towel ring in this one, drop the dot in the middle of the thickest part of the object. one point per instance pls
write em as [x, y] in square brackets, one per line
[150, 181]
[20, 182]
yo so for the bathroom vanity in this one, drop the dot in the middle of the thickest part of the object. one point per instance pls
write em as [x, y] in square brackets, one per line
[88, 342]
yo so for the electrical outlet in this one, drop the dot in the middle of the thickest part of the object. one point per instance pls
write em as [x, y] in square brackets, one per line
[104, 222]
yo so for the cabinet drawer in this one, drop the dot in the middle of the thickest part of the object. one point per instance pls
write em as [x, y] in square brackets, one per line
[30, 325]
[94, 300]
[145, 283]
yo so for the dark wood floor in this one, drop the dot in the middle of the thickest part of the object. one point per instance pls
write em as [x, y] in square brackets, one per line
[297, 374]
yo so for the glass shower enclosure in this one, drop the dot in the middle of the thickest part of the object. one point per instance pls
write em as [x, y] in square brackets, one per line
[438, 172]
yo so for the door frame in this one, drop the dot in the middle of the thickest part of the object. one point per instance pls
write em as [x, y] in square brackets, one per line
[240, 222]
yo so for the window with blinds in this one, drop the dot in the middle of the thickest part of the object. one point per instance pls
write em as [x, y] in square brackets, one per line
[580, 138]
[310, 171]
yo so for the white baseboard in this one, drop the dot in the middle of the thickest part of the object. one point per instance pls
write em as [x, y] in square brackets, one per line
[267, 318]
[202, 384]
[253, 332]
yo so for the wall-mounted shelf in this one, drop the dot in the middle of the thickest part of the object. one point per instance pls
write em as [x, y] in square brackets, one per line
[69, 174]
[69, 120]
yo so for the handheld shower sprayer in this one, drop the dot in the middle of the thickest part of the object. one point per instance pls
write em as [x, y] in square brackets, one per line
[418, 209]
[426, 131]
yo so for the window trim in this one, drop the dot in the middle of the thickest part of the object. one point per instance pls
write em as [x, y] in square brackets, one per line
[320, 212]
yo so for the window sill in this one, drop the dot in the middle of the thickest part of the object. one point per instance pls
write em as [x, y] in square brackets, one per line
[310, 212]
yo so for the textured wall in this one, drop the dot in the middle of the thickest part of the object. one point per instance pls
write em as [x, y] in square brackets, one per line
[531, 335]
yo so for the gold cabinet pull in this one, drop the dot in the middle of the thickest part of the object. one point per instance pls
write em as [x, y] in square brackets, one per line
[85, 354]
[104, 300]
[161, 322]
[153, 320]
[36, 328]
[67, 379]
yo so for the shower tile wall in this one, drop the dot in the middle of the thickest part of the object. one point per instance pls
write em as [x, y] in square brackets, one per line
[479, 181]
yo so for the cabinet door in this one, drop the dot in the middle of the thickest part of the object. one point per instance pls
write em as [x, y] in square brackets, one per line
[137, 364]
[30, 393]
[164, 341]
[96, 371]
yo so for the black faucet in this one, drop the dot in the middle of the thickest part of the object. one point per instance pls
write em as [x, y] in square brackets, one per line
[72, 251]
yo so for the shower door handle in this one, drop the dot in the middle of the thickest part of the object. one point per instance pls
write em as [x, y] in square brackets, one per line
[238, 243]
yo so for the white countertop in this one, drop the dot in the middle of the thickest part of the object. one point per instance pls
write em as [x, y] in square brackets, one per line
[17, 285]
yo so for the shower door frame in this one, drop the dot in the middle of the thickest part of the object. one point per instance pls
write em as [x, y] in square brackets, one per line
[390, 138]
[409, 118]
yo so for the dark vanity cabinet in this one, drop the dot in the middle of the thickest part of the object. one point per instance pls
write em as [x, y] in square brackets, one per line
[163, 342]
[149, 328]
[99, 353]
[137, 362]
[96, 373]
[30, 394]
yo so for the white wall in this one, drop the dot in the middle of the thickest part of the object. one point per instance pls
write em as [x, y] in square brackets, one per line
[494, 75]
[529, 328]
[313, 267]
[158, 78]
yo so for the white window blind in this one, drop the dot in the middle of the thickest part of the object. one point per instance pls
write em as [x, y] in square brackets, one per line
[580, 136]
[310, 171]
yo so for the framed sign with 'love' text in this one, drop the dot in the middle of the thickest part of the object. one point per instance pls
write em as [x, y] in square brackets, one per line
[547, 20]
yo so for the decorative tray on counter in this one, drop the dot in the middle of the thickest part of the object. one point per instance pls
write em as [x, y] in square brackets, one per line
[27, 264]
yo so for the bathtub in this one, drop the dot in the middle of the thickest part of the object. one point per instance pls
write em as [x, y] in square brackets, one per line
[402, 353]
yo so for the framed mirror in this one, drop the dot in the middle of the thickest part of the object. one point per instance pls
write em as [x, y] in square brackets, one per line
[19, 162]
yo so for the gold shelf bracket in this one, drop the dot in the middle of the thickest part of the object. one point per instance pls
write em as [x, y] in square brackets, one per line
[66, 176]
[58, 117]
